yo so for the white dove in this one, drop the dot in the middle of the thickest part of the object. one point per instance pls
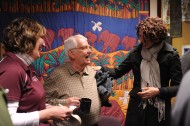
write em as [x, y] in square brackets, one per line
[97, 26]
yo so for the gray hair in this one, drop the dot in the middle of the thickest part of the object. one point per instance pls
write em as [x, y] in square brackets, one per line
[72, 42]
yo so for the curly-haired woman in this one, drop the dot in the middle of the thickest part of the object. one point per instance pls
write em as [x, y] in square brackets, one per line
[157, 74]
[26, 96]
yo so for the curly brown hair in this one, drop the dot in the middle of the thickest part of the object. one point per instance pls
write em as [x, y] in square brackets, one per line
[153, 29]
[21, 35]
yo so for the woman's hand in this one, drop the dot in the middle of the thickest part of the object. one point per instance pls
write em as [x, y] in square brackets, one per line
[96, 68]
[63, 112]
[55, 113]
[148, 92]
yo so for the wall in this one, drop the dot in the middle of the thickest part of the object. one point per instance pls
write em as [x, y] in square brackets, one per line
[153, 8]
[184, 40]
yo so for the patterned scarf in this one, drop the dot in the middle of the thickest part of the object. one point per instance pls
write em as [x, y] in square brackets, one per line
[150, 76]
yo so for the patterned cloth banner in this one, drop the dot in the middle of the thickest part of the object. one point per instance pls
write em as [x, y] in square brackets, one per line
[109, 25]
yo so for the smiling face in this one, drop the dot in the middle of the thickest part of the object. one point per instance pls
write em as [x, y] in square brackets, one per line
[81, 55]
[35, 54]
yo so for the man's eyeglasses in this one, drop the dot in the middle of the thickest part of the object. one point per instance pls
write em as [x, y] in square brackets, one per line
[85, 48]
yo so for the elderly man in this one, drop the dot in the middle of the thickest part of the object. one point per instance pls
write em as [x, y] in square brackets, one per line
[74, 80]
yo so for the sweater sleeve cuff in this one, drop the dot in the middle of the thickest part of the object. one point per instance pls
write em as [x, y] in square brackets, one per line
[161, 95]
[36, 117]
[61, 101]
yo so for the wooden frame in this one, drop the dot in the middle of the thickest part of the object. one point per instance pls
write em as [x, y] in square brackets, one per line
[185, 48]
[159, 8]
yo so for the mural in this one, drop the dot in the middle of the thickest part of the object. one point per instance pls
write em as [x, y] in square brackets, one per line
[109, 25]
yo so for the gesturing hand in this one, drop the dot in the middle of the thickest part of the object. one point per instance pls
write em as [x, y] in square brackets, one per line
[96, 68]
[148, 92]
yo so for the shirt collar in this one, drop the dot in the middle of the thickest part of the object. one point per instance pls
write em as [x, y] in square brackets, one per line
[27, 60]
[72, 71]
[17, 60]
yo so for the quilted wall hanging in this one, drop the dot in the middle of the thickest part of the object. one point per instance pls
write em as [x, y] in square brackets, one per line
[109, 25]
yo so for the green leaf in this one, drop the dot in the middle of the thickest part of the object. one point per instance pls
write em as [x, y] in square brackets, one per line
[62, 57]
[51, 57]
[50, 63]
[39, 65]
[55, 54]
[50, 70]
[113, 94]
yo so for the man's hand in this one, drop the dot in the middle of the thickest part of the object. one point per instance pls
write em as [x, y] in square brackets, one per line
[73, 101]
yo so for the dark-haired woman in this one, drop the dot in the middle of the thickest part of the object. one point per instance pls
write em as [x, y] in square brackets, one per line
[26, 96]
[157, 74]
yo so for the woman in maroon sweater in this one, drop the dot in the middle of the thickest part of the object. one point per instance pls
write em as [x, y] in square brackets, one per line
[25, 93]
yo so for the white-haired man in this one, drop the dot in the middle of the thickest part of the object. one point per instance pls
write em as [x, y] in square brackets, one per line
[74, 80]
